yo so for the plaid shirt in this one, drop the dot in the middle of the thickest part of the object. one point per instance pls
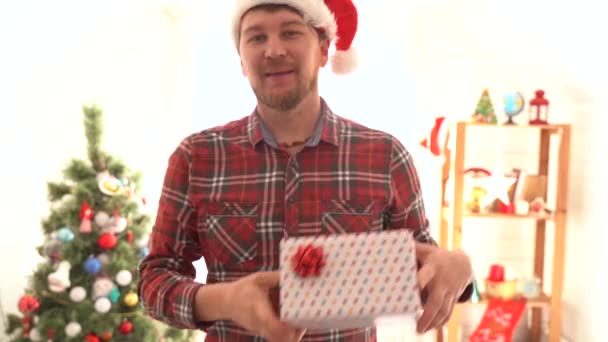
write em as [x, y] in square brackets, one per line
[230, 195]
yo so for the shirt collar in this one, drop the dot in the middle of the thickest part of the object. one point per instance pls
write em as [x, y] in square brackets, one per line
[326, 129]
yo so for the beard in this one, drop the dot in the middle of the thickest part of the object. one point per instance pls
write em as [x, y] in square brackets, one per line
[287, 100]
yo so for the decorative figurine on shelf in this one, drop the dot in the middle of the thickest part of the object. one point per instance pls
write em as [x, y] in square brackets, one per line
[514, 105]
[538, 206]
[475, 193]
[484, 113]
[539, 109]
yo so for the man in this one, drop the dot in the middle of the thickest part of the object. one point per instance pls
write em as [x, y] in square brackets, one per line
[231, 193]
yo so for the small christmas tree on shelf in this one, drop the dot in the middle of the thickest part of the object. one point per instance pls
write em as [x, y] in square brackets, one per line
[484, 112]
[95, 236]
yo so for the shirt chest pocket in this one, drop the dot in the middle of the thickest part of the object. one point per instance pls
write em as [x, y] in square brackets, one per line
[350, 216]
[231, 232]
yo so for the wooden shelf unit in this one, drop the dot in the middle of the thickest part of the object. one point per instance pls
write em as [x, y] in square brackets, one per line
[541, 301]
[537, 217]
[452, 222]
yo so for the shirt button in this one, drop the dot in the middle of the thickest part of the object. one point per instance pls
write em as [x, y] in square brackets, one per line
[291, 199]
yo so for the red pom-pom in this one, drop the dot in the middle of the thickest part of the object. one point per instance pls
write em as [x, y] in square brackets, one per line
[125, 327]
[308, 261]
[28, 304]
[107, 241]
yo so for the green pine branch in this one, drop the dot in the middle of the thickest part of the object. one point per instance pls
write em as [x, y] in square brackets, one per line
[14, 323]
[56, 191]
[93, 132]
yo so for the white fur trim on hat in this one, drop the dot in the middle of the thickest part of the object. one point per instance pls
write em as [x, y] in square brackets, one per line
[344, 61]
[315, 12]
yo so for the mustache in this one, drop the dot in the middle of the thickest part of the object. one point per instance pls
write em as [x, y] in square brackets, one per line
[277, 65]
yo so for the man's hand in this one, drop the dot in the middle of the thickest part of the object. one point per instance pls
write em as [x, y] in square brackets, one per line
[249, 306]
[443, 275]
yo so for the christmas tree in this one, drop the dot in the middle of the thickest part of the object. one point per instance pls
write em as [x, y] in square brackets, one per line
[85, 289]
[484, 113]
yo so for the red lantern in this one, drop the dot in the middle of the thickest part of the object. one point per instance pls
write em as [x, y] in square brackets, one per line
[125, 327]
[107, 241]
[539, 109]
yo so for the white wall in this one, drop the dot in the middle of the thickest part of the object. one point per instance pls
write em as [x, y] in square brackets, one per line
[56, 57]
[462, 47]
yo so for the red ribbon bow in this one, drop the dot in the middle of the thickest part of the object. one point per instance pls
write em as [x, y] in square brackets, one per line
[308, 260]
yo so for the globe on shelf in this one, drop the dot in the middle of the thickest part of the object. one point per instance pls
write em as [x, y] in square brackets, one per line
[514, 104]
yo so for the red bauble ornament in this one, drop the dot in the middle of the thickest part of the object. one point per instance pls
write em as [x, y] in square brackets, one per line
[107, 241]
[91, 338]
[28, 304]
[125, 327]
[129, 236]
[308, 260]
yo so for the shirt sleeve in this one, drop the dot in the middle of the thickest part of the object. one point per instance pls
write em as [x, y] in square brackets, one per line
[407, 205]
[166, 275]
[406, 208]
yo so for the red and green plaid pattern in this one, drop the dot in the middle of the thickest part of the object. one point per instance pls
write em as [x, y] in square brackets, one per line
[230, 197]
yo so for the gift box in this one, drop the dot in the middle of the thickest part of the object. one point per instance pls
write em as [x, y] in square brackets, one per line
[348, 280]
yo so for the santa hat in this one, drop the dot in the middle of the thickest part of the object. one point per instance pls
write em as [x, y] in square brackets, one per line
[437, 140]
[337, 18]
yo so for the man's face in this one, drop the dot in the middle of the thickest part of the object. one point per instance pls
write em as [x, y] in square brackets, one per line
[281, 56]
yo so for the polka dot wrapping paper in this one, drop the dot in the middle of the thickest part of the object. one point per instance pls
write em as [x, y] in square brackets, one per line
[348, 280]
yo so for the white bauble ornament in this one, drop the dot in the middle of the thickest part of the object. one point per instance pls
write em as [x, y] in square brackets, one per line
[124, 278]
[78, 294]
[73, 329]
[64, 200]
[120, 223]
[102, 218]
[104, 258]
[35, 335]
[102, 287]
[67, 198]
[103, 305]
[143, 241]
[56, 205]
